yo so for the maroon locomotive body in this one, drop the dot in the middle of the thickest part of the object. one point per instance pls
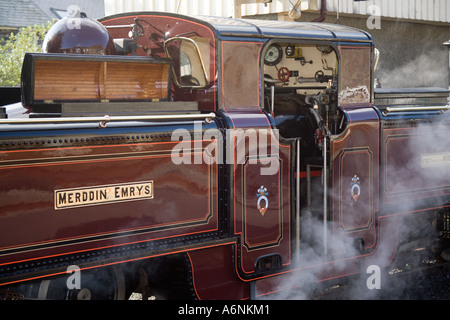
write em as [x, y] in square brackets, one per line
[212, 158]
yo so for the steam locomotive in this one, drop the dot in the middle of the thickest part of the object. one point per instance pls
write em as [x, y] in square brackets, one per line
[212, 158]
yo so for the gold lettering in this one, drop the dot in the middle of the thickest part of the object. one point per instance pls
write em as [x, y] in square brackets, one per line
[435, 159]
[99, 195]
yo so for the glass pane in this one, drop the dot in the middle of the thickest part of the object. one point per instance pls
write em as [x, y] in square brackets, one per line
[188, 65]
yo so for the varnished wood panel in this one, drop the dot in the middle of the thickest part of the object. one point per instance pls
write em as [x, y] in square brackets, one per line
[62, 80]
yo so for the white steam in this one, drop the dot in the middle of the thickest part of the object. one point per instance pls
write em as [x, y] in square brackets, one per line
[423, 71]
[418, 166]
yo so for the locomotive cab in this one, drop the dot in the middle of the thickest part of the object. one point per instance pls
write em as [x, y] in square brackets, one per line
[301, 82]
[301, 93]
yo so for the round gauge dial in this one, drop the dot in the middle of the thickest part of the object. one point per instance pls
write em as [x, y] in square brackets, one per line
[273, 55]
[325, 49]
[290, 50]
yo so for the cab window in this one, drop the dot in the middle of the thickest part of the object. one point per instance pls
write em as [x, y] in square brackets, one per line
[188, 62]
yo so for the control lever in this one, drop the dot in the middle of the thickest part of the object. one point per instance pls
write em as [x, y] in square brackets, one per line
[321, 77]
[318, 77]
[303, 61]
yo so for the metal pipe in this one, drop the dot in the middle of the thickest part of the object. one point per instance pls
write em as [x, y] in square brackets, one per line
[325, 192]
[272, 103]
[417, 108]
[308, 186]
[323, 12]
[447, 44]
[104, 120]
[297, 203]
[120, 26]
[306, 79]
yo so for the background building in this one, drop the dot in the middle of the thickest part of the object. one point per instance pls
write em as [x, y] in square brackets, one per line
[409, 33]
[16, 14]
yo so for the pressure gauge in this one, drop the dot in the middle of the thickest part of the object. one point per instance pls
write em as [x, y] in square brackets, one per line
[325, 49]
[290, 50]
[273, 55]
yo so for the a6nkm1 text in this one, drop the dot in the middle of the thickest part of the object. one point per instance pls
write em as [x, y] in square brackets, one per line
[230, 310]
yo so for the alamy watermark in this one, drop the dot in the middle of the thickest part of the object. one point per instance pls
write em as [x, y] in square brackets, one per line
[74, 280]
[233, 146]
[374, 280]
[374, 20]
[73, 12]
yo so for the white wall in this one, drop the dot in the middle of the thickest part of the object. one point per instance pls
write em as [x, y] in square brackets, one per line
[223, 8]
[428, 10]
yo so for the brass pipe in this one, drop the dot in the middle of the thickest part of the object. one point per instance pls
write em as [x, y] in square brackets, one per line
[103, 120]
[422, 108]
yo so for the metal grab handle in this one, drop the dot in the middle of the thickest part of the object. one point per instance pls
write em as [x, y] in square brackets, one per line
[423, 108]
[104, 120]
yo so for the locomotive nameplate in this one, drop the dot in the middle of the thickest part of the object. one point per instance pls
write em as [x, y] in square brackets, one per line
[435, 159]
[106, 194]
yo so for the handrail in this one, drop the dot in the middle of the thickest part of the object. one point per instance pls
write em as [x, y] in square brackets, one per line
[105, 119]
[418, 108]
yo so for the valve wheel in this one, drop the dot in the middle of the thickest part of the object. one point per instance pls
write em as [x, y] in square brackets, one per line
[283, 74]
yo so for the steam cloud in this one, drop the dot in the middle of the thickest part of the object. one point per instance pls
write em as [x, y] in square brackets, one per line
[408, 179]
[422, 71]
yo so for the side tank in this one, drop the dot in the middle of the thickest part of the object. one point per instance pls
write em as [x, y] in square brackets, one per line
[103, 193]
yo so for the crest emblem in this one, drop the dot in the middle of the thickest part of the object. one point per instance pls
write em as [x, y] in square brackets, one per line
[355, 190]
[263, 203]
